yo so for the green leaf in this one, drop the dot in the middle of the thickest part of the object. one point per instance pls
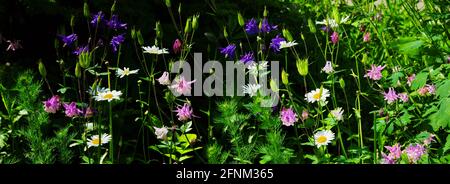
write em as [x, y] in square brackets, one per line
[184, 158]
[395, 77]
[404, 120]
[187, 150]
[443, 90]
[419, 81]
[408, 45]
[447, 145]
[265, 159]
[441, 118]
[3, 139]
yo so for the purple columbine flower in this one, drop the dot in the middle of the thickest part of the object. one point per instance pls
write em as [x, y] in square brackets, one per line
[115, 23]
[251, 27]
[325, 29]
[97, 18]
[72, 110]
[427, 89]
[266, 27]
[375, 72]
[275, 44]
[88, 112]
[80, 50]
[288, 117]
[52, 105]
[247, 58]
[395, 153]
[116, 41]
[177, 46]
[390, 96]
[403, 97]
[69, 39]
[415, 152]
[182, 86]
[184, 112]
[228, 51]
[335, 37]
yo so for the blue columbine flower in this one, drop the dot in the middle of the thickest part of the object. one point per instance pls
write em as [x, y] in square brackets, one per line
[248, 57]
[69, 39]
[114, 23]
[80, 50]
[266, 27]
[275, 44]
[97, 18]
[228, 51]
[251, 27]
[116, 41]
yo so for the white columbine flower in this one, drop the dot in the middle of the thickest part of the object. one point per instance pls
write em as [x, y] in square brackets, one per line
[284, 44]
[317, 96]
[161, 133]
[255, 68]
[125, 72]
[328, 68]
[337, 114]
[164, 79]
[323, 138]
[96, 141]
[89, 126]
[155, 50]
[251, 89]
[332, 23]
[108, 95]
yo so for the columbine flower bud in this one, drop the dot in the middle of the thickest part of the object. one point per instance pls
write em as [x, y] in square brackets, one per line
[225, 33]
[274, 85]
[364, 59]
[177, 46]
[78, 70]
[42, 69]
[311, 26]
[187, 28]
[86, 12]
[158, 30]
[265, 12]
[133, 33]
[72, 21]
[342, 83]
[240, 19]
[284, 77]
[113, 7]
[140, 38]
[195, 22]
[168, 3]
[302, 66]
[287, 35]
[179, 8]
[336, 16]
[85, 59]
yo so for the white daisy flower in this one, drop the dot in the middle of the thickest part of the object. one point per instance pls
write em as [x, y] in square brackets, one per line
[161, 133]
[251, 89]
[96, 91]
[332, 23]
[328, 68]
[108, 95]
[255, 68]
[155, 50]
[337, 114]
[323, 138]
[284, 44]
[125, 72]
[317, 96]
[96, 141]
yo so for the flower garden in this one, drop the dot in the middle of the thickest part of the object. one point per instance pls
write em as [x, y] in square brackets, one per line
[312, 82]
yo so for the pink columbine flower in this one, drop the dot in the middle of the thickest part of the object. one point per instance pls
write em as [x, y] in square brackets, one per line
[366, 37]
[403, 97]
[288, 116]
[164, 79]
[335, 37]
[88, 112]
[395, 153]
[429, 139]
[427, 89]
[176, 46]
[305, 115]
[52, 105]
[410, 79]
[328, 68]
[390, 96]
[415, 152]
[184, 112]
[375, 72]
[182, 86]
[72, 110]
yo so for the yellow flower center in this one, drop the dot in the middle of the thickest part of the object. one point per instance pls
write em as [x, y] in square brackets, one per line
[317, 96]
[108, 96]
[95, 141]
[321, 139]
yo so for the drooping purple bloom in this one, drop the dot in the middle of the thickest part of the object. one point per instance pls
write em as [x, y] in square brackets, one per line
[403, 97]
[390, 96]
[275, 44]
[71, 110]
[184, 112]
[80, 50]
[325, 29]
[97, 18]
[116, 41]
[247, 58]
[88, 112]
[415, 152]
[266, 27]
[395, 153]
[177, 46]
[115, 23]
[335, 37]
[305, 115]
[69, 39]
[288, 117]
[228, 51]
[375, 72]
[366, 37]
[251, 27]
[52, 105]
